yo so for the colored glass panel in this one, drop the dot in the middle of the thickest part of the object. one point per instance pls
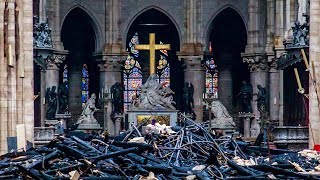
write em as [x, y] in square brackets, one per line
[85, 85]
[211, 78]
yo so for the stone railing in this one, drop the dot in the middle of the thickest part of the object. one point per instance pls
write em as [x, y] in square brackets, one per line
[291, 137]
[43, 135]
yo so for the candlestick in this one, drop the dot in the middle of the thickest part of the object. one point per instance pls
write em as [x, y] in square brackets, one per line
[10, 60]
[305, 59]
[298, 79]
[313, 72]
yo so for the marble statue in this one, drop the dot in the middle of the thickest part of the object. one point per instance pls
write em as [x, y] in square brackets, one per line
[154, 96]
[187, 96]
[222, 117]
[88, 111]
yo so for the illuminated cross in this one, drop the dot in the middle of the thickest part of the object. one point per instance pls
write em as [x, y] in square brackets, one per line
[152, 47]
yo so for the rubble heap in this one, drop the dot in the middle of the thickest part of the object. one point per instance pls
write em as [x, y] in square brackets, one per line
[190, 153]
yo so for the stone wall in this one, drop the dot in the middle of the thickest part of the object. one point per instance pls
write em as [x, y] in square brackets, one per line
[16, 74]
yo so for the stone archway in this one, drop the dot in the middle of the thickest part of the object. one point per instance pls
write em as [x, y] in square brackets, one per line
[228, 39]
[79, 38]
[154, 21]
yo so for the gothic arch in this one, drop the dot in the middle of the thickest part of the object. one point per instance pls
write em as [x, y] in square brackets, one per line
[145, 10]
[209, 25]
[93, 22]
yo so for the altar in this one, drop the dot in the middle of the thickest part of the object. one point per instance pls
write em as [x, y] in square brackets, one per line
[168, 117]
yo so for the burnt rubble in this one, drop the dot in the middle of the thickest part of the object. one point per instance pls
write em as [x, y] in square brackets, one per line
[187, 152]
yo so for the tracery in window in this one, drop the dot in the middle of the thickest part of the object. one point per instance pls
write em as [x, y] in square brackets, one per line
[211, 78]
[85, 85]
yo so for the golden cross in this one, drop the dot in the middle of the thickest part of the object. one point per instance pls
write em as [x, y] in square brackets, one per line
[152, 47]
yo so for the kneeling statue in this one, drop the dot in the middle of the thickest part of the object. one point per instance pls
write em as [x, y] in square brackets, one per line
[88, 111]
[222, 117]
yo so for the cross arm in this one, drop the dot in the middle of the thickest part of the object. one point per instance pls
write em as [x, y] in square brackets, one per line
[141, 47]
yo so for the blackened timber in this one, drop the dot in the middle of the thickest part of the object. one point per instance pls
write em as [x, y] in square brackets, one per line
[80, 141]
[160, 169]
[280, 171]
[72, 152]
[114, 154]
[241, 170]
[45, 159]
[128, 145]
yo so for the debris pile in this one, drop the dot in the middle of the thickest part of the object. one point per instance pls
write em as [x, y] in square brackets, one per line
[189, 153]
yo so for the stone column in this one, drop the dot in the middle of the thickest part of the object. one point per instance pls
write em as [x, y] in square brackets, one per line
[75, 90]
[110, 73]
[314, 54]
[274, 96]
[281, 90]
[52, 72]
[258, 75]
[195, 74]
[43, 96]
[225, 81]
[117, 125]
[53, 14]
[3, 84]
[302, 10]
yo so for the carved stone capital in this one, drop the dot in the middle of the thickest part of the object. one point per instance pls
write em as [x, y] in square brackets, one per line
[110, 62]
[56, 59]
[256, 61]
[110, 66]
[192, 62]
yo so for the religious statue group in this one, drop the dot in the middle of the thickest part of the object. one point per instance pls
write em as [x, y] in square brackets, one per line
[154, 96]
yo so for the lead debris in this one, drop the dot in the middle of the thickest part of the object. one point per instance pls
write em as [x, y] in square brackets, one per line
[188, 152]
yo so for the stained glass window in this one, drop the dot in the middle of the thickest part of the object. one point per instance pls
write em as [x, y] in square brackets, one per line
[65, 75]
[85, 85]
[211, 78]
[163, 70]
[132, 80]
[132, 77]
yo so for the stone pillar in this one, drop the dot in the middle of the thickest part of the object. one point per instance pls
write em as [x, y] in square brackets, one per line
[52, 72]
[258, 75]
[3, 84]
[246, 126]
[302, 10]
[43, 96]
[16, 78]
[195, 74]
[53, 14]
[281, 90]
[274, 96]
[314, 54]
[42, 11]
[75, 90]
[225, 81]
[110, 73]
[117, 125]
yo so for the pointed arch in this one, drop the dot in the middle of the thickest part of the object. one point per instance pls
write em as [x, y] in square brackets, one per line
[93, 22]
[155, 8]
[209, 26]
